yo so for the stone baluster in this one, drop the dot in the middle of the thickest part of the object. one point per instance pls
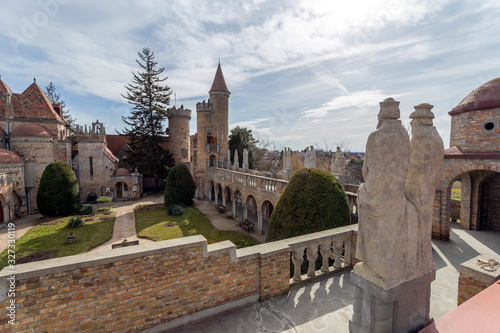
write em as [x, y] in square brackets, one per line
[312, 255]
[338, 248]
[297, 260]
[325, 253]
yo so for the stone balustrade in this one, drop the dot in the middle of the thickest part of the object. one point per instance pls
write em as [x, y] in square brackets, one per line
[334, 244]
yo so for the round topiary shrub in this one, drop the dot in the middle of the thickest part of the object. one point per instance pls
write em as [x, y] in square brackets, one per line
[86, 210]
[313, 200]
[175, 210]
[180, 187]
[59, 191]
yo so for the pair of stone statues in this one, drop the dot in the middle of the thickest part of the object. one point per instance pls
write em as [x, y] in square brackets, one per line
[396, 200]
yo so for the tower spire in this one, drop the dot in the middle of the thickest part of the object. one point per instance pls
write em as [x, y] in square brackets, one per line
[219, 84]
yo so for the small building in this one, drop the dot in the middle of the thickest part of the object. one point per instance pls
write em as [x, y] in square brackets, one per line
[473, 159]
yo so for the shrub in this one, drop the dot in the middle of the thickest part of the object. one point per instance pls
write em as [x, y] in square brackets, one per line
[175, 210]
[312, 201]
[180, 186]
[59, 191]
[86, 210]
[75, 222]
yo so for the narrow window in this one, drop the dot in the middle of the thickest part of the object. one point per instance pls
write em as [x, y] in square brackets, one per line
[91, 166]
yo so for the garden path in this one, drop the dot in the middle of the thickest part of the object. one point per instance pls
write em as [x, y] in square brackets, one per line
[22, 226]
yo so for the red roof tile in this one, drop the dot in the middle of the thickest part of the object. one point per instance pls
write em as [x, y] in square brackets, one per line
[219, 82]
[31, 130]
[484, 97]
[115, 142]
[7, 156]
[4, 87]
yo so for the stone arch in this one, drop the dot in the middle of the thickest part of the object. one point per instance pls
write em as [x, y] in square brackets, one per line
[251, 203]
[238, 203]
[266, 210]
[211, 191]
[472, 177]
[218, 193]
[212, 161]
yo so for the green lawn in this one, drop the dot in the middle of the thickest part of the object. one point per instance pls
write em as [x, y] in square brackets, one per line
[157, 225]
[49, 239]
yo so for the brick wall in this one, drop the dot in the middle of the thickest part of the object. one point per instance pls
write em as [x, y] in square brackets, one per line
[473, 278]
[134, 288]
[469, 133]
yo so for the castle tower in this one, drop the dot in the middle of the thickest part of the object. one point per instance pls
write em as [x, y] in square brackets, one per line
[178, 125]
[212, 130]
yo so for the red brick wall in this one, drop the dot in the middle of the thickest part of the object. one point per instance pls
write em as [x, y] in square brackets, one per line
[468, 132]
[131, 289]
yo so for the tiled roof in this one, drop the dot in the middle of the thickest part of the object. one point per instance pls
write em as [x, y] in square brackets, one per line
[31, 130]
[7, 156]
[4, 87]
[484, 97]
[115, 142]
[219, 82]
[110, 155]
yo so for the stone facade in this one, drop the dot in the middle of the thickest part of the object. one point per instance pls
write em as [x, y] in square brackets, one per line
[178, 123]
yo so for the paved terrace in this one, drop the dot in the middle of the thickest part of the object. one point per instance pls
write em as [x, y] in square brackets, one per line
[326, 305]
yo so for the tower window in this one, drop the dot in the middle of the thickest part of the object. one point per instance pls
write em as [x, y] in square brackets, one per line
[489, 126]
[91, 166]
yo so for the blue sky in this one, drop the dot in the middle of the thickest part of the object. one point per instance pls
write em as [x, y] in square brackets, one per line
[301, 72]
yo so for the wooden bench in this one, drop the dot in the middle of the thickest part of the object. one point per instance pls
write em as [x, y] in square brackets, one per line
[221, 209]
[247, 225]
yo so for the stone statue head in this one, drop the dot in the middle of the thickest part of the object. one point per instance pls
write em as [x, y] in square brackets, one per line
[389, 109]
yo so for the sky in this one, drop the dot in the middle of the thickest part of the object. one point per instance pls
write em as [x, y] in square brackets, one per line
[300, 72]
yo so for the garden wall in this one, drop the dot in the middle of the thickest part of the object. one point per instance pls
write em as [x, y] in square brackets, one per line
[134, 288]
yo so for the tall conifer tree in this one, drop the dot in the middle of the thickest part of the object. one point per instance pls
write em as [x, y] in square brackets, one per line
[149, 98]
[55, 98]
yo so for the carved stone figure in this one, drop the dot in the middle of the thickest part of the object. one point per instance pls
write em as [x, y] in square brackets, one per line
[228, 161]
[245, 159]
[236, 163]
[338, 162]
[426, 157]
[310, 158]
[381, 198]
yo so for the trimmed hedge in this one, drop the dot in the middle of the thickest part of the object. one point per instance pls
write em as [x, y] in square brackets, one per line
[180, 187]
[59, 191]
[313, 200]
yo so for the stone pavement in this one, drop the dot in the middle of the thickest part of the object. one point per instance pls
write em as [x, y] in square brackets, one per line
[326, 305]
[124, 227]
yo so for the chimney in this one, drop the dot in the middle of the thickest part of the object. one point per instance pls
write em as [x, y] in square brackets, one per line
[9, 109]
[58, 108]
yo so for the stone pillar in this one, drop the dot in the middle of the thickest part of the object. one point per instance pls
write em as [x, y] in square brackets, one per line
[245, 160]
[259, 221]
[236, 163]
[216, 195]
[223, 199]
[465, 201]
[234, 208]
[245, 212]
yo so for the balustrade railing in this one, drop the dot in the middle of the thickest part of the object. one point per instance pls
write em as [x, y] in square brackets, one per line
[334, 244]
[252, 181]
[269, 185]
[212, 147]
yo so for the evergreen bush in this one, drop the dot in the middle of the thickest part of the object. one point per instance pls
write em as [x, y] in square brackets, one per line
[75, 222]
[180, 186]
[86, 210]
[175, 210]
[313, 200]
[59, 192]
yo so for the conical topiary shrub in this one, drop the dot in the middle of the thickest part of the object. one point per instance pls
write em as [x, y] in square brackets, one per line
[59, 191]
[180, 187]
[312, 201]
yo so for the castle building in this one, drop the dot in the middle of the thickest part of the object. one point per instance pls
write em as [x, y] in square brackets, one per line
[179, 129]
[33, 134]
[210, 145]
[473, 159]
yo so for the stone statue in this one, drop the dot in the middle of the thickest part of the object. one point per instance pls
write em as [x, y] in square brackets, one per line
[236, 163]
[338, 162]
[228, 161]
[381, 198]
[426, 158]
[245, 159]
[310, 158]
[287, 158]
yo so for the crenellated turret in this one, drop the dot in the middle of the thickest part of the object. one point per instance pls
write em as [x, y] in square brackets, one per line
[179, 133]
